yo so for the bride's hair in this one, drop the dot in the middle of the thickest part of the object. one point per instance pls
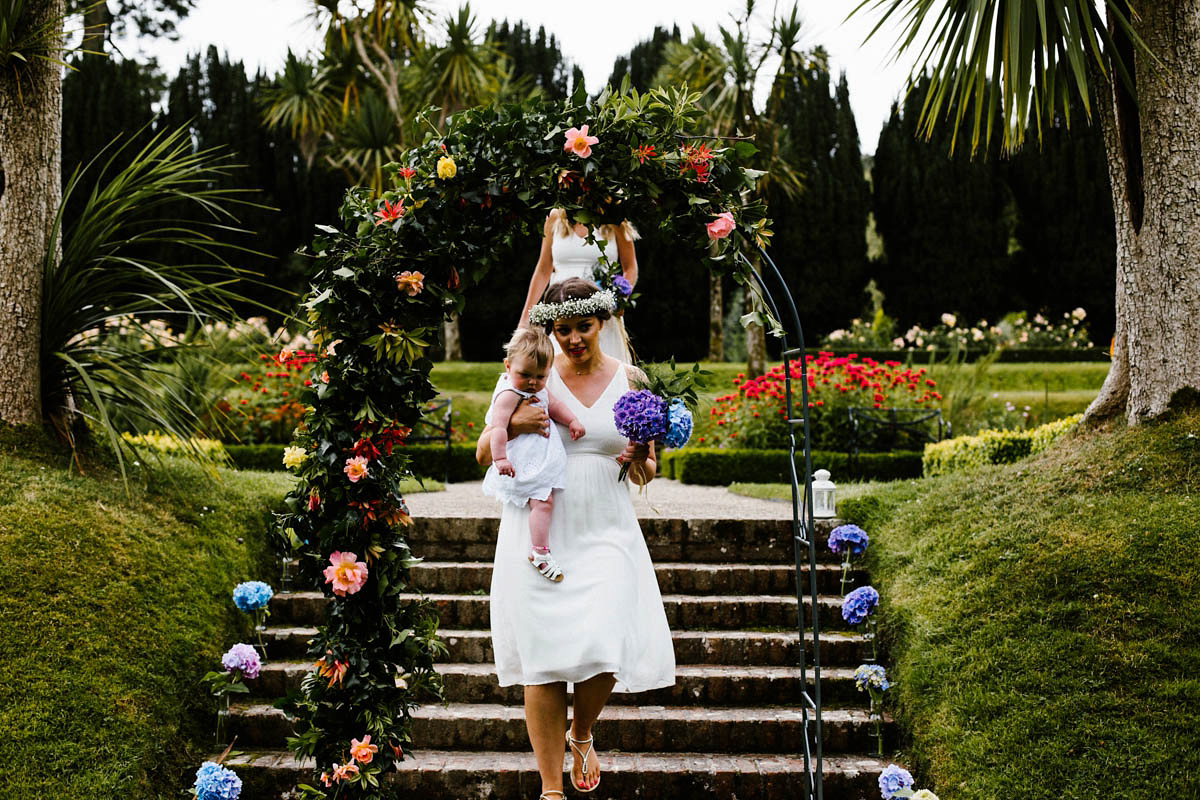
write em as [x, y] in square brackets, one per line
[562, 227]
[532, 343]
[575, 289]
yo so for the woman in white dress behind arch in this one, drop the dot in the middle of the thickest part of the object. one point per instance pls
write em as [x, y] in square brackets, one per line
[566, 253]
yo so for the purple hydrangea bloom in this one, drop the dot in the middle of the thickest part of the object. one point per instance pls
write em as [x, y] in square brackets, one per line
[641, 416]
[849, 537]
[893, 779]
[621, 285]
[252, 595]
[214, 782]
[859, 604]
[242, 658]
[679, 424]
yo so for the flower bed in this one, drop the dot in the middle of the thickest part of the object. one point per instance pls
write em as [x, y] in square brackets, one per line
[755, 414]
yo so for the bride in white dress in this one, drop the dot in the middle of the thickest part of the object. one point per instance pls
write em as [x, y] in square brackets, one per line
[566, 253]
[603, 628]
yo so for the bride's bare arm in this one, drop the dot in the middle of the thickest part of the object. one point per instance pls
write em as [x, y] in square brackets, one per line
[541, 273]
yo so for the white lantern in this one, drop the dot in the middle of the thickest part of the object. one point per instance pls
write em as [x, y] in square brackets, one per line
[824, 495]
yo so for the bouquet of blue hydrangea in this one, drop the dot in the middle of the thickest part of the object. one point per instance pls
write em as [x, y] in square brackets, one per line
[253, 597]
[895, 781]
[849, 541]
[660, 409]
[872, 678]
[214, 782]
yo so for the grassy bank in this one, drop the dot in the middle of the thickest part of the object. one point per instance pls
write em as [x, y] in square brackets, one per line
[1041, 618]
[113, 607]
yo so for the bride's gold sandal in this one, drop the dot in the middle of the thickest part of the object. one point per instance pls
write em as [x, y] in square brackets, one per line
[583, 756]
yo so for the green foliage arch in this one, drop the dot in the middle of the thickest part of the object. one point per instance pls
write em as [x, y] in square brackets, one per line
[383, 283]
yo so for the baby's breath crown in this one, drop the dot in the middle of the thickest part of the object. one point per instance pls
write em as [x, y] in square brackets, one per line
[546, 313]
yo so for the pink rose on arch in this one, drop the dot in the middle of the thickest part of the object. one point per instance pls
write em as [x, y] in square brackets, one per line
[721, 227]
[356, 468]
[346, 573]
[579, 143]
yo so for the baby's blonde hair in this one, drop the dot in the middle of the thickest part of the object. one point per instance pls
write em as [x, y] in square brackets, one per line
[562, 227]
[533, 343]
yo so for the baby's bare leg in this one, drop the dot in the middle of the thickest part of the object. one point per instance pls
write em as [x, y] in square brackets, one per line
[539, 522]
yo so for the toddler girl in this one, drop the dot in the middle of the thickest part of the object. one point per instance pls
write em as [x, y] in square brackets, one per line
[530, 467]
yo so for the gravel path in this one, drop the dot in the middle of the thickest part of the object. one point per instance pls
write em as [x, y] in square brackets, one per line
[663, 498]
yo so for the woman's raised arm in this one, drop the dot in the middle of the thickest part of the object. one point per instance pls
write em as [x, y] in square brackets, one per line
[541, 272]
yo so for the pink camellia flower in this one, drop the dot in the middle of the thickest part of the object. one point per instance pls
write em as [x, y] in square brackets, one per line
[721, 227]
[346, 573]
[390, 212]
[356, 468]
[411, 283]
[579, 143]
[363, 751]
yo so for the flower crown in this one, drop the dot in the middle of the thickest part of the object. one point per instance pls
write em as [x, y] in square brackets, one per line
[546, 313]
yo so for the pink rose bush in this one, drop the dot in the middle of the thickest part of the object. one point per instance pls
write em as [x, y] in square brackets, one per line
[346, 573]
[579, 143]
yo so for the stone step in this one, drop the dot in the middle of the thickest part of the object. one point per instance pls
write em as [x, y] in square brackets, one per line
[630, 729]
[461, 577]
[689, 540]
[684, 612]
[695, 685]
[453, 775]
[758, 648]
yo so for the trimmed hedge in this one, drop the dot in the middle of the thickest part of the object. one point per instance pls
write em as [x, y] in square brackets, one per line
[992, 447]
[429, 460]
[1010, 356]
[714, 467]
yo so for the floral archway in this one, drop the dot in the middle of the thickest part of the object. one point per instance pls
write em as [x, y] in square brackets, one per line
[384, 282]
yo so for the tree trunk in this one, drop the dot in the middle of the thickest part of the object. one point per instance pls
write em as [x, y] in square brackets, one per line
[1153, 149]
[452, 340]
[30, 190]
[716, 318]
[96, 19]
[756, 343]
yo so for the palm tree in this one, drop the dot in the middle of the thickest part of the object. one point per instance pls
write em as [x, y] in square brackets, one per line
[995, 67]
[368, 138]
[727, 74]
[301, 101]
[459, 74]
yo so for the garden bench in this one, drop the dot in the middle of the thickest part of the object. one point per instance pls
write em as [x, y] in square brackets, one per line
[436, 432]
[884, 429]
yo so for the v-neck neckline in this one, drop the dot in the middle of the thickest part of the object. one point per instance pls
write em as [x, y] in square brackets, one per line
[603, 391]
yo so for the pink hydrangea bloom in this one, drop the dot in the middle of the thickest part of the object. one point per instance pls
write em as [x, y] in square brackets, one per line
[356, 468]
[346, 573]
[579, 143]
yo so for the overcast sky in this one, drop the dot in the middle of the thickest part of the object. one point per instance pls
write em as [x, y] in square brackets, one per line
[591, 35]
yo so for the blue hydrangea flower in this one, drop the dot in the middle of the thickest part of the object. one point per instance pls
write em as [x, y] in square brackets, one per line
[252, 595]
[871, 676]
[242, 658]
[859, 604]
[641, 416]
[849, 537]
[893, 779]
[214, 782]
[679, 424]
[621, 285]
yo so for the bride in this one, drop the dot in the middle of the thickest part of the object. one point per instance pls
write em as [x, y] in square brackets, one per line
[603, 628]
[566, 253]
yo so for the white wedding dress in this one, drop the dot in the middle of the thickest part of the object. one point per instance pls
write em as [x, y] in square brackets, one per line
[574, 258]
[607, 614]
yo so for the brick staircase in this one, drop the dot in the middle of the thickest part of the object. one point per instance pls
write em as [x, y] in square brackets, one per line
[730, 727]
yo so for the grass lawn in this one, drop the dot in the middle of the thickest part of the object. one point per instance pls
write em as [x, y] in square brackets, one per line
[1040, 618]
[783, 491]
[113, 607]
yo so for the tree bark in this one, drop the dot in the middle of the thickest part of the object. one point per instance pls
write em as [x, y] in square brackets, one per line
[96, 20]
[716, 318]
[452, 340]
[30, 191]
[1153, 149]
[756, 343]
